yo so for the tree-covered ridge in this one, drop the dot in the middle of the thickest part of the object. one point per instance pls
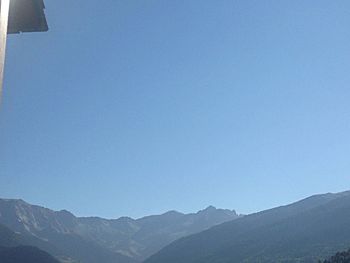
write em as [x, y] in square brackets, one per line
[340, 257]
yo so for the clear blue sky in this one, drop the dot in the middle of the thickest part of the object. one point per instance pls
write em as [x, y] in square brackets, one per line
[137, 107]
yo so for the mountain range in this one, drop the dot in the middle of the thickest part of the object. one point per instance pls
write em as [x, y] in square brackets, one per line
[305, 231]
[93, 239]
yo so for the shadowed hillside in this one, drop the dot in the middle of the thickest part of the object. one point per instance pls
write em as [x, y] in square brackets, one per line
[340, 257]
[24, 254]
[13, 251]
[305, 231]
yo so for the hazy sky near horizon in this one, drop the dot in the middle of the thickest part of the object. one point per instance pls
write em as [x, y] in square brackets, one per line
[138, 107]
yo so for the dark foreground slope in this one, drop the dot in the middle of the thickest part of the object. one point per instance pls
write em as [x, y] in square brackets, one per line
[8, 238]
[340, 257]
[305, 231]
[24, 254]
[12, 251]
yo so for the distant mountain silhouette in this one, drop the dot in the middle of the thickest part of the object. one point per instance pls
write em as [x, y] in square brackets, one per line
[305, 231]
[90, 240]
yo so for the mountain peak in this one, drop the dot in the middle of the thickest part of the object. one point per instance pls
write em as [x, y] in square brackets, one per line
[213, 209]
[210, 208]
[172, 212]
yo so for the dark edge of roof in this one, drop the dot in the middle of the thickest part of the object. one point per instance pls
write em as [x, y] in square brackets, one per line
[41, 7]
[40, 12]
